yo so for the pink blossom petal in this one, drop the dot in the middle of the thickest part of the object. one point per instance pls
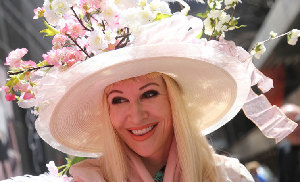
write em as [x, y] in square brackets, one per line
[28, 96]
[14, 57]
[52, 168]
[10, 97]
[5, 89]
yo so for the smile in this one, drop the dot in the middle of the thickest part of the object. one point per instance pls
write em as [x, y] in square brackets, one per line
[143, 133]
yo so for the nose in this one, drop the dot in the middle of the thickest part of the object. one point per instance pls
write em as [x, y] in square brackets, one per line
[137, 113]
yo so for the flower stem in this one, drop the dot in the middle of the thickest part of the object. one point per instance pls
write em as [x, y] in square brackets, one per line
[80, 21]
[29, 70]
[76, 43]
[270, 38]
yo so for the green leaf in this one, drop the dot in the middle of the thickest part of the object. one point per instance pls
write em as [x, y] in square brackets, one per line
[77, 159]
[42, 63]
[201, 15]
[161, 16]
[13, 81]
[49, 31]
[241, 26]
[200, 34]
[22, 75]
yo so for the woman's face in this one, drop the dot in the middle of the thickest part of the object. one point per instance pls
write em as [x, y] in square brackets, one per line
[140, 112]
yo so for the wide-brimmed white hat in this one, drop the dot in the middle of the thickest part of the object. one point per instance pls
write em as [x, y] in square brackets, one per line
[215, 77]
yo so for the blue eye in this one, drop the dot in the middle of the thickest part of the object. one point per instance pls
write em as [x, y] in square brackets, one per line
[149, 94]
[118, 100]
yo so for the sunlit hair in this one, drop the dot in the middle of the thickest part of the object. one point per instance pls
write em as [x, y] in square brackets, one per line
[114, 155]
[194, 153]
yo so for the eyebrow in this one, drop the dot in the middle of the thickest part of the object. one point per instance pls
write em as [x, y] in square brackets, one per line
[148, 84]
[114, 91]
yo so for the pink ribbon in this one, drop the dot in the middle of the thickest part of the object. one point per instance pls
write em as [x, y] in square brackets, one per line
[269, 119]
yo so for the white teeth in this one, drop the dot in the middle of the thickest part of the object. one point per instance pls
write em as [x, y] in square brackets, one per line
[143, 131]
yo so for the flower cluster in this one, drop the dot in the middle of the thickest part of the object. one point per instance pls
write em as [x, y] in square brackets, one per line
[217, 20]
[80, 30]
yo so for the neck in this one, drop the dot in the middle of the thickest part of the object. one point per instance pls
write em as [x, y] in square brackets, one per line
[156, 161]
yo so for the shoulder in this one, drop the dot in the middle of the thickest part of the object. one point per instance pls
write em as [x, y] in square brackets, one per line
[89, 170]
[231, 170]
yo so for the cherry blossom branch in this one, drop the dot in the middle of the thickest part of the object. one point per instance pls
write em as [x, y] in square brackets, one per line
[80, 21]
[124, 38]
[76, 43]
[270, 38]
[10, 73]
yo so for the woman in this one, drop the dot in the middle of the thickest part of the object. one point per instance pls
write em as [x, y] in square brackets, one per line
[148, 136]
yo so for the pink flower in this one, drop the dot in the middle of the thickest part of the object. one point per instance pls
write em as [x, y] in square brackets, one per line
[72, 27]
[10, 97]
[38, 12]
[58, 41]
[66, 178]
[53, 57]
[14, 57]
[72, 56]
[24, 87]
[28, 95]
[76, 30]
[90, 4]
[28, 64]
[52, 168]
[5, 89]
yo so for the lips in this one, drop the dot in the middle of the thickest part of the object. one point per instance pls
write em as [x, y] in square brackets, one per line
[142, 133]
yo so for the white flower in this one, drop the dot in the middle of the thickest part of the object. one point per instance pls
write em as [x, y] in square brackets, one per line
[110, 10]
[130, 17]
[60, 7]
[258, 50]
[224, 17]
[214, 14]
[147, 15]
[97, 41]
[50, 15]
[110, 37]
[208, 28]
[230, 2]
[160, 7]
[273, 34]
[293, 36]
[215, 4]
[142, 3]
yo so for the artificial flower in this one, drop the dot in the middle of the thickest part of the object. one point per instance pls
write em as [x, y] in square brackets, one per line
[14, 57]
[293, 36]
[97, 41]
[38, 12]
[273, 34]
[10, 97]
[258, 50]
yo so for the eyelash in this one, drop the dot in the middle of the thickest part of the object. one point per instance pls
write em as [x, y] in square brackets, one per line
[145, 95]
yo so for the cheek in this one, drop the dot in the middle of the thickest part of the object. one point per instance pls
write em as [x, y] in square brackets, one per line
[115, 118]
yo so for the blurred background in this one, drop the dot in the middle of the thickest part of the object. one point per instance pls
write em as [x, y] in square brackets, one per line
[23, 152]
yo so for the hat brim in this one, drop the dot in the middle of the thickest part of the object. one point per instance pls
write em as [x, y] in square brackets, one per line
[214, 86]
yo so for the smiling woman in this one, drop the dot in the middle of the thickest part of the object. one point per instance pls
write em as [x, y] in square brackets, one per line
[148, 134]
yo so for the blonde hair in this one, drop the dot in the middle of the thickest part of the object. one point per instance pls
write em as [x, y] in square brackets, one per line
[195, 158]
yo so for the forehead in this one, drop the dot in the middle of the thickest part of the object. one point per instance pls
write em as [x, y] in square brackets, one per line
[136, 82]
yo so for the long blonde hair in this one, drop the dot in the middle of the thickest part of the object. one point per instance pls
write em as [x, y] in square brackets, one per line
[194, 153]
